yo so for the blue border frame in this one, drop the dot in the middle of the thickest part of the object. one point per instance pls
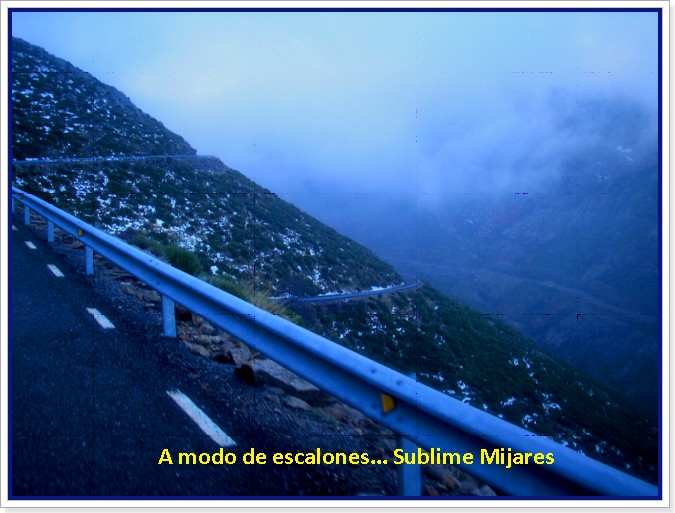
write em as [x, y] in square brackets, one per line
[658, 11]
[9, 264]
[660, 203]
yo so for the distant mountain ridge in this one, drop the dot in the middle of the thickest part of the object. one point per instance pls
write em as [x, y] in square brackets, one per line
[245, 233]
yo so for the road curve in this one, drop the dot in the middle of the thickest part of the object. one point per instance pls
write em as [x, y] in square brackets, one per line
[109, 159]
[409, 285]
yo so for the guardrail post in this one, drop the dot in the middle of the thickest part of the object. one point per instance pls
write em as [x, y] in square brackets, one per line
[409, 476]
[26, 214]
[13, 206]
[50, 231]
[168, 317]
[88, 260]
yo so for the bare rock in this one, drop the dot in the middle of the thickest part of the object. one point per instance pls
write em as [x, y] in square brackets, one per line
[149, 296]
[273, 398]
[444, 477]
[201, 339]
[295, 402]
[215, 340]
[206, 329]
[343, 413]
[389, 441]
[275, 391]
[450, 482]
[225, 352]
[197, 320]
[152, 296]
[429, 490]
[469, 488]
[117, 273]
[433, 471]
[269, 372]
[239, 343]
[197, 349]
[241, 355]
[486, 491]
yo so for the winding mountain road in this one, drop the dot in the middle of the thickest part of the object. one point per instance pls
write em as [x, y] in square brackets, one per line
[410, 284]
[108, 159]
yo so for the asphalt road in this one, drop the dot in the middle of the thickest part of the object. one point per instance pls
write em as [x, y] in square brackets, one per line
[90, 415]
[108, 159]
[409, 285]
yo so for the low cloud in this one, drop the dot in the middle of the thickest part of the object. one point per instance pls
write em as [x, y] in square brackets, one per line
[427, 104]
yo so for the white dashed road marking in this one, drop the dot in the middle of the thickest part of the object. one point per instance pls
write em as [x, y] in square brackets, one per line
[201, 419]
[55, 270]
[101, 319]
[15, 228]
[30, 244]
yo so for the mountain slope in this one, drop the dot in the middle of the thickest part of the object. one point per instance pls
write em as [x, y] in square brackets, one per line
[574, 266]
[237, 226]
[245, 233]
[71, 110]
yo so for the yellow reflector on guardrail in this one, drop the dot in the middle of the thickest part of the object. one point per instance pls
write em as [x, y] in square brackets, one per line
[388, 403]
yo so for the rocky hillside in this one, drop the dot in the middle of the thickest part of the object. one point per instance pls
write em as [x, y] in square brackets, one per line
[76, 115]
[237, 227]
[237, 234]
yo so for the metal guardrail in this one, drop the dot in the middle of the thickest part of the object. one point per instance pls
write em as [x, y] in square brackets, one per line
[425, 416]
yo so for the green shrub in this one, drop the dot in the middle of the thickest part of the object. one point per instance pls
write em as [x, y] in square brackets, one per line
[228, 285]
[178, 257]
[183, 259]
[141, 241]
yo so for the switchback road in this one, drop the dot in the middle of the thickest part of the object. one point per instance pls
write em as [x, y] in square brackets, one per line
[108, 159]
[409, 285]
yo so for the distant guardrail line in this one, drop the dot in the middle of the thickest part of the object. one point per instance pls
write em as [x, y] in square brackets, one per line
[108, 159]
[425, 416]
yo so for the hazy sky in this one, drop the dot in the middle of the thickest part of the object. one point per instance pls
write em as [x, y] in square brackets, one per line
[365, 102]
